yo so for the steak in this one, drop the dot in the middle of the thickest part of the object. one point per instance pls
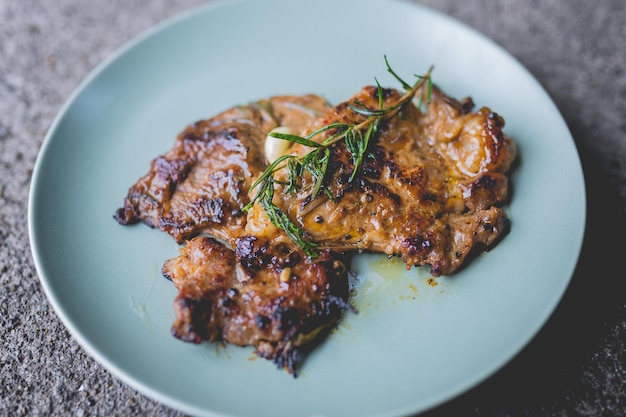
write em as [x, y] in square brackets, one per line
[261, 295]
[201, 185]
[430, 189]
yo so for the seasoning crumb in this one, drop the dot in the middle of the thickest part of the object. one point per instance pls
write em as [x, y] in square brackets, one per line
[285, 274]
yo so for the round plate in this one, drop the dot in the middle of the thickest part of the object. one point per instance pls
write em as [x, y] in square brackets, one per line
[416, 342]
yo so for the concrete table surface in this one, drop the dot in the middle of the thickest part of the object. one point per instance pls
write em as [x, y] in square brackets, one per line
[576, 366]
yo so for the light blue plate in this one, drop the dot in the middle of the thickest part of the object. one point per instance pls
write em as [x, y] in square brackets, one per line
[414, 345]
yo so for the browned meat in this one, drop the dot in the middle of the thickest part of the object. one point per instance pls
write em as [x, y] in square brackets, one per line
[429, 190]
[202, 184]
[429, 193]
[269, 297]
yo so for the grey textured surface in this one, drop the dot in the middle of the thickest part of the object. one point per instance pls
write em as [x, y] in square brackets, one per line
[576, 366]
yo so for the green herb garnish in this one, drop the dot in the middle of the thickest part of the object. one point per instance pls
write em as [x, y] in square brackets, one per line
[356, 137]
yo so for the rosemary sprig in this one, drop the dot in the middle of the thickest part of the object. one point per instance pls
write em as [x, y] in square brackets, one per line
[356, 137]
[281, 220]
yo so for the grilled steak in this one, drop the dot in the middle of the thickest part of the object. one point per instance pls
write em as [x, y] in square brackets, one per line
[201, 184]
[266, 296]
[429, 190]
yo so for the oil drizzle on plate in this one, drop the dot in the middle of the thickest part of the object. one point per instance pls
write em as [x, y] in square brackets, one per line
[377, 281]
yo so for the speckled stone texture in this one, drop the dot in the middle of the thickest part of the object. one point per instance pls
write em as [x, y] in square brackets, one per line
[576, 366]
